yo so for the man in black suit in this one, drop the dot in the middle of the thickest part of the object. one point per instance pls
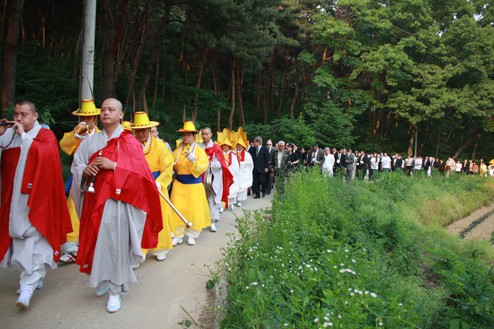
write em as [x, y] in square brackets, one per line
[315, 156]
[260, 156]
[270, 175]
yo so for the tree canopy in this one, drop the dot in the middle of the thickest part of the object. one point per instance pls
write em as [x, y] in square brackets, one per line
[361, 73]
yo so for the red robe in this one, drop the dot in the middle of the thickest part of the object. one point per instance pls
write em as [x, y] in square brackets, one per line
[227, 175]
[132, 183]
[43, 182]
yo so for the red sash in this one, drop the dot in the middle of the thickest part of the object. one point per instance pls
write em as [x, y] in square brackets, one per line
[227, 175]
[132, 182]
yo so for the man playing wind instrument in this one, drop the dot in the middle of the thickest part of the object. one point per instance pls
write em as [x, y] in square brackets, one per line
[188, 194]
[88, 125]
[34, 220]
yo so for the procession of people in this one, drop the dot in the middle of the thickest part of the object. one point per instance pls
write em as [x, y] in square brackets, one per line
[127, 196]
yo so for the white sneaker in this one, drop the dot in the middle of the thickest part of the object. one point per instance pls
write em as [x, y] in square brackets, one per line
[239, 204]
[176, 241]
[68, 257]
[142, 260]
[24, 299]
[213, 228]
[114, 303]
[232, 207]
[222, 209]
[103, 287]
[161, 255]
[191, 241]
[38, 286]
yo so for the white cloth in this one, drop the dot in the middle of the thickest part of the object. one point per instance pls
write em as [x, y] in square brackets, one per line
[235, 171]
[418, 164]
[386, 162]
[328, 164]
[214, 199]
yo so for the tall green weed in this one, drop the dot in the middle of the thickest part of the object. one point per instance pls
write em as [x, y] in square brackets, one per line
[358, 255]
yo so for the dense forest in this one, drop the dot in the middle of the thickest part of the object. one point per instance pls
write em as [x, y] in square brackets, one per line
[374, 75]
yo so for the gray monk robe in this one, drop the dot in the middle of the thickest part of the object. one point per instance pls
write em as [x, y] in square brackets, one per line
[114, 216]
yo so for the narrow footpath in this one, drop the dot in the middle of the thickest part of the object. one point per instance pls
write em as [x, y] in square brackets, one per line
[479, 225]
[167, 293]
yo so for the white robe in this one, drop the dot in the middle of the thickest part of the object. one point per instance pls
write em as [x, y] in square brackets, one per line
[245, 176]
[234, 170]
[118, 245]
[214, 199]
[327, 166]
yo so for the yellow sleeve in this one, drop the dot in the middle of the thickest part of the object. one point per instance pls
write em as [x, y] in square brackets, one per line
[200, 166]
[165, 165]
[69, 143]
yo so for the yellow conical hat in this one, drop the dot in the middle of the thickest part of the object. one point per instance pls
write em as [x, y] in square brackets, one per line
[87, 109]
[127, 125]
[223, 139]
[189, 126]
[238, 139]
[241, 137]
[141, 121]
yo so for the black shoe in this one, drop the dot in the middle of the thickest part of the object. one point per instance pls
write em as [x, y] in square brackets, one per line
[269, 192]
[263, 194]
[257, 197]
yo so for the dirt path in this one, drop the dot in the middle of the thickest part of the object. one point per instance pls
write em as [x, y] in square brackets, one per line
[166, 293]
[478, 225]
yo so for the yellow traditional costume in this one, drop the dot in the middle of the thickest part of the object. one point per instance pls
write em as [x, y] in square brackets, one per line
[188, 193]
[69, 144]
[160, 162]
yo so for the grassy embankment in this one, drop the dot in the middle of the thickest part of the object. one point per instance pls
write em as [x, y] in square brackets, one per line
[362, 255]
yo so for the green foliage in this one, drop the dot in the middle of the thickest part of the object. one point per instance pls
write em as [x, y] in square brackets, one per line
[353, 255]
[359, 72]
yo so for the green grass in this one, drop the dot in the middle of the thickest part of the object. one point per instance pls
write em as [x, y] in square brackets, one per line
[362, 255]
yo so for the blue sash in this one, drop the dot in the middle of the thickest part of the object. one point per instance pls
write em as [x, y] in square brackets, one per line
[68, 185]
[155, 174]
[189, 179]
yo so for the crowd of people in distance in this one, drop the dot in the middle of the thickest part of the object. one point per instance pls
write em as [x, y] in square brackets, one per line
[366, 166]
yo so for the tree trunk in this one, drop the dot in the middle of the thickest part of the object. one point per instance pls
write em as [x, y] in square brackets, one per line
[265, 99]
[137, 58]
[437, 142]
[461, 148]
[155, 52]
[411, 140]
[272, 81]
[2, 19]
[212, 62]
[113, 35]
[233, 91]
[155, 92]
[295, 94]
[240, 81]
[77, 52]
[283, 83]
[474, 152]
[10, 57]
[258, 90]
[199, 79]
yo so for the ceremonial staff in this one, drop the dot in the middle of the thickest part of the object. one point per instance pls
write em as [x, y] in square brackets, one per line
[187, 223]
